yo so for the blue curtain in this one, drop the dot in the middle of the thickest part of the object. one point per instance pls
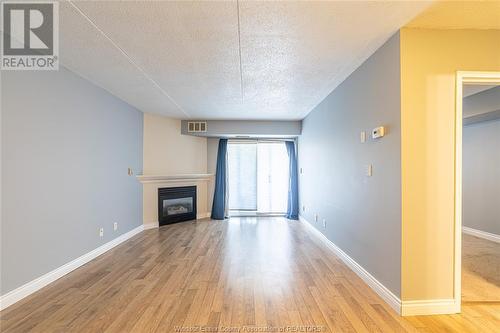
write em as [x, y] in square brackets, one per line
[292, 211]
[219, 203]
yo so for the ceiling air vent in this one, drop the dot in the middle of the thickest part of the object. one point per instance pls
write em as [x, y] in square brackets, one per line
[197, 126]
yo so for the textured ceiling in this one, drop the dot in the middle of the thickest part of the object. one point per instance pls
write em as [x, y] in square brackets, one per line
[225, 60]
[478, 14]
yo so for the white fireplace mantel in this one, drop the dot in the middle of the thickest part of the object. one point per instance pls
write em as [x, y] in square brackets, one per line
[151, 184]
[174, 178]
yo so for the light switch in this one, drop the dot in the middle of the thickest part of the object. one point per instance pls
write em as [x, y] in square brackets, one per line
[369, 170]
[362, 137]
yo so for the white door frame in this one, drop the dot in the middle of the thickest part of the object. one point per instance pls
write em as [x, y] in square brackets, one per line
[463, 77]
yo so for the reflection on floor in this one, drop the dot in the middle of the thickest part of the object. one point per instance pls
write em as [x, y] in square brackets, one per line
[263, 274]
[480, 270]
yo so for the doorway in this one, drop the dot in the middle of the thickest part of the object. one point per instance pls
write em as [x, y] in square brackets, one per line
[477, 188]
[258, 176]
[480, 194]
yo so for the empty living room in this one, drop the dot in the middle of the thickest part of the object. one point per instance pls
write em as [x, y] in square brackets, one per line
[250, 166]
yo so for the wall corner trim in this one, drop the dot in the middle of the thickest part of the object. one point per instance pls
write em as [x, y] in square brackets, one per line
[429, 307]
[31, 287]
[151, 225]
[481, 234]
[205, 215]
[392, 300]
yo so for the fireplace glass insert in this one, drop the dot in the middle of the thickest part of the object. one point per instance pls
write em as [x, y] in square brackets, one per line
[176, 204]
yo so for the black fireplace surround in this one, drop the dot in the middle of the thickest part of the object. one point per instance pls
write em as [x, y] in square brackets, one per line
[176, 204]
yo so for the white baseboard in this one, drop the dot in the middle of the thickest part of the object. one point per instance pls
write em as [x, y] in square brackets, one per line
[481, 234]
[155, 224]
[203, 215]
[37, 284]
[430, 307]
[151, 225]
[404, 308]
[392, 300]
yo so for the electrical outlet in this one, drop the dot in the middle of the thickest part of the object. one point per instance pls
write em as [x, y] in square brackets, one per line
[315, 217]
[303, 208]
[324, 223]
[101, 232]
[115, 226]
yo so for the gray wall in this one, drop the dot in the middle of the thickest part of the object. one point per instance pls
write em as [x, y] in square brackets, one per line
[485, 101]
[363, 214]
[222, 128]
[481, 162]
[66, 147]
[483, 106]
[481, 176]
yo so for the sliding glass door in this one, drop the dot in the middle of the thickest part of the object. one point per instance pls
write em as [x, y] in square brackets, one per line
[242, 176]
[258, 177]
[272, 177]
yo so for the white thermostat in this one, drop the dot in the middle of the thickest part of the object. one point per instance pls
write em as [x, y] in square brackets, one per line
[378, 132]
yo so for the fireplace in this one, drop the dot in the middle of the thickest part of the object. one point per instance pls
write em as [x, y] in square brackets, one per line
[176, 204]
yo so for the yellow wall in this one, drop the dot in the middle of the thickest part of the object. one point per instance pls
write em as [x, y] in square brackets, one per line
[429, 61]
[168, 152]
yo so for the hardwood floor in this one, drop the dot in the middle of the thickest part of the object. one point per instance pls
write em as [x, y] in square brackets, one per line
[248, 272]
[480, 270]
